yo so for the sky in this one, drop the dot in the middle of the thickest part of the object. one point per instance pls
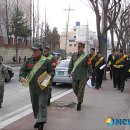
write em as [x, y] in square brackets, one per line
[57, 16]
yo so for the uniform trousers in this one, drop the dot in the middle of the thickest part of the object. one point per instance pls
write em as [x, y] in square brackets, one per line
[78, 88]
[39, 106]
[99, 77]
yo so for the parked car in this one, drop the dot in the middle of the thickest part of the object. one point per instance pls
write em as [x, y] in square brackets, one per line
[10, 72]
[61, 73]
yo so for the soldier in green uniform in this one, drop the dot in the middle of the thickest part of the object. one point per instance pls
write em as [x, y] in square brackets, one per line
[78, 69]
[29, 73]
[120, 65]
[47, 54]
[3, 73]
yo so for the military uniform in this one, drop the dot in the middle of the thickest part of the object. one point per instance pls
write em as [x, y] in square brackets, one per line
[3, 73]
[79, 75]
[128, 67]
[92, 61]
[120, 68]
[111, 60]
[38, 97]
[99, 72]
[53, 63]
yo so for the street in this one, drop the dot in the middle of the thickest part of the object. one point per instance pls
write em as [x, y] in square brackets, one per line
[17, 98]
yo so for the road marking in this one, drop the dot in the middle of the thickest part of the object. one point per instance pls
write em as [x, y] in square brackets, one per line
[15, 112]
[27, 112]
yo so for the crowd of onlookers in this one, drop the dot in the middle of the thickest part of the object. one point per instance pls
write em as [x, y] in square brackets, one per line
[19, 59]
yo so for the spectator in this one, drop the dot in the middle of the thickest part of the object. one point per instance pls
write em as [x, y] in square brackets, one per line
[14, 59]
[25, 58]
[20, 59]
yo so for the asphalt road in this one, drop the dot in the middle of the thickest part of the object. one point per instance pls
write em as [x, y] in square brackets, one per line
[17, 97]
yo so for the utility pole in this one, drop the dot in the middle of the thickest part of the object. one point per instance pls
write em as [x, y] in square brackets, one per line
[67, 26]
[31, 21]
[33, 24]
[16, 36]
[37, 33]
[7, 22]
[45, 39]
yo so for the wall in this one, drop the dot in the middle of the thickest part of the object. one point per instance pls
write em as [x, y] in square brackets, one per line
[8, 53]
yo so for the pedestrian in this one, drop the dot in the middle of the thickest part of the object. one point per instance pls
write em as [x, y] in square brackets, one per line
[29, 73]
[3, 73]
[111, 58]
[58, 57]
[99, 69]
[78, 69]
[110, 63]
[92, 58]
[128, 66]
[25, 58]
[14, 59]
[49, 56]
[20, 59]
[120, 64]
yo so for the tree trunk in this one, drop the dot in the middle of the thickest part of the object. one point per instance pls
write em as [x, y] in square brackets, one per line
[112, 38]
[16, 48]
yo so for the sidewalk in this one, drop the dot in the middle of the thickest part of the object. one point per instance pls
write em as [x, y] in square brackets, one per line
[98, 105]
[14, 65]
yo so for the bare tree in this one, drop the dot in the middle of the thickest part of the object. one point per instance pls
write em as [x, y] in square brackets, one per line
[122, 28]
[101, 9]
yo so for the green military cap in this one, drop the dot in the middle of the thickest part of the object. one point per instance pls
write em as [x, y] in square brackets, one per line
[37, 46]
[80, 44]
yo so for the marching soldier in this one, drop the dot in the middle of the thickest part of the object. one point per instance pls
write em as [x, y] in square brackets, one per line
[29, 73]
[111, 58]
[100, 62]
[78, 69]
[92, 60]
[120, 66]
[128, 66]
[3, 73]
[47, 54]
[110, 62]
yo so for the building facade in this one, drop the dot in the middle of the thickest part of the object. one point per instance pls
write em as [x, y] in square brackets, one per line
[80, 33]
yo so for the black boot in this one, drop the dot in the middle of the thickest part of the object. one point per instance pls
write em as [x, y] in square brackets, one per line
[122, 89]
[41, 125]
[118, 89]
[36, 125]
[0, 105]
[48, 102]
[79, 106]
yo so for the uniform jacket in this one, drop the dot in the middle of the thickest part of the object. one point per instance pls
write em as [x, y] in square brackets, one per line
[93, 61]
[81, 72]
[100, 64]
[3, 73]
[27, 67]
[111, 59]
[124, 62]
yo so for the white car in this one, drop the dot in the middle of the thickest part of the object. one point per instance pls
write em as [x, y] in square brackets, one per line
[61, 73]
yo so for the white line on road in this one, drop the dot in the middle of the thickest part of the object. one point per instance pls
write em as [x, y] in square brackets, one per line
[27, 112]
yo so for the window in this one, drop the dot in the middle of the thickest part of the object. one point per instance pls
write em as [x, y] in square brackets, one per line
[75, 45]
[72, 40]
[70, 44]
[74, 36]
